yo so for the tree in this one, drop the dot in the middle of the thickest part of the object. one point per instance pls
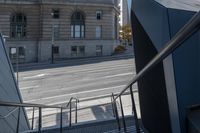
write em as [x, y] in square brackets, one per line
[126, 33]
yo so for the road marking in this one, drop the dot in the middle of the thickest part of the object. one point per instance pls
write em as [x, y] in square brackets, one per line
[118, 75]
[108, 88]
[36, 76]
[77, 69]
[29, 87]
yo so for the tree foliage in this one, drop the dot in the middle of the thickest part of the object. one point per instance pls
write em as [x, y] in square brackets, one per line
[126, 33]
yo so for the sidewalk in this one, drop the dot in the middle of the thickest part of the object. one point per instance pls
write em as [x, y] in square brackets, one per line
[75, 61]
[93, 110]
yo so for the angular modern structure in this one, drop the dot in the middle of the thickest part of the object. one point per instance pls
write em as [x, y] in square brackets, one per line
[9, 91]
[172, 87]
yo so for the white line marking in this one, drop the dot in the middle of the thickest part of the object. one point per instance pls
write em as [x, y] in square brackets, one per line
[108, 88]
[29, 87]
[36, 76]
[118, 75]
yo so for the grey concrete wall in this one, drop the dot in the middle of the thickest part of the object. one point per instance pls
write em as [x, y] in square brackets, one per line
[9, 92]
[31, 50]
[65, 48]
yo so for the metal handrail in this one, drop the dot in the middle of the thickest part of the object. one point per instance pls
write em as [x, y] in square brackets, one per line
[9, 113]
[63, 107]
[70, 111]
[15, 104]
[40, 106]
[184, 33]
[72, 98]
[191, 27]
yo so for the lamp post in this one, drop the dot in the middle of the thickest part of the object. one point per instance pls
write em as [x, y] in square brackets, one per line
[52, 41]
[52, 45]
[17, 66]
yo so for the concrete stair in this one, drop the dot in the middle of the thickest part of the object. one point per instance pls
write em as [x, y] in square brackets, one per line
[105, 126]
[131, 129]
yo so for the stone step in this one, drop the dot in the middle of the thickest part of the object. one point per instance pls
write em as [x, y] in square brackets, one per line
[131, 129]
[105, 126]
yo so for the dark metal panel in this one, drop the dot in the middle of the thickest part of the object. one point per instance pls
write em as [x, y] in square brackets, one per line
[152, 90]
[186, 61]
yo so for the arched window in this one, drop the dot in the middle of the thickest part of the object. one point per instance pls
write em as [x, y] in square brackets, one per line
[77, 25]
[18, 25]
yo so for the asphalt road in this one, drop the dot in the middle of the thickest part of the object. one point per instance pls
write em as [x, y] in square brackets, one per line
[81, 78]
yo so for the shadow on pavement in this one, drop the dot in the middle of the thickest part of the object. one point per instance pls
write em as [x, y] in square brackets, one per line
[102, 112]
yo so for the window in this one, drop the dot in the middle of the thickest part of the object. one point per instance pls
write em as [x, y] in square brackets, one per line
[99, 49]
[74, 50]
[81, 50]
[18, 25]
[21, 51]
[77, 31]
[56, 31]
[55, 13]
[55, 50]
[77, 51]
[98, 31]
[14, 52]
[116, 27]
[99, 15]
[77, 25]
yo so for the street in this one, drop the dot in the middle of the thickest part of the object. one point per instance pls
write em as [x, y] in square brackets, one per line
[91, 80]
[56, 85]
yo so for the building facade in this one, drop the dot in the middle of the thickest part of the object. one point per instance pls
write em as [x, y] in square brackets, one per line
[124, 13]
[45, 30]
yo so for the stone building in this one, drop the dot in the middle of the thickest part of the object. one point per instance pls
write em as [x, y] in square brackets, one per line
[45, 30]
[124, 13]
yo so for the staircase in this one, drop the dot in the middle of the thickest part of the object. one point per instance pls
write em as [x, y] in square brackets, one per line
[105, 126]
[131, 129]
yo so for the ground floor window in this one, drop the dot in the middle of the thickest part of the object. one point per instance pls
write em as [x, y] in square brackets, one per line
[17, 52]
[99, 50]
[55, 50]
[21, 51]
[77, 51]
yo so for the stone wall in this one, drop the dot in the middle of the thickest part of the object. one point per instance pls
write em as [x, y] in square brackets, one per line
[40, 23]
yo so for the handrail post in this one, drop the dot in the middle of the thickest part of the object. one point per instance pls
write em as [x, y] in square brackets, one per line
[61, 121]
[33, 118]
[40, 120]
[116, 113]
[123, 118]
[76, 111]
[70, 114]
[18, 120]
[112, 106]
[134, 110]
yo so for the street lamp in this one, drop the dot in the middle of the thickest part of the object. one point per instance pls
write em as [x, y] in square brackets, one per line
[52, 41]
[52, 45]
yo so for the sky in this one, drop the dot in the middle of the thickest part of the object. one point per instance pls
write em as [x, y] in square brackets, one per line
[129, 4]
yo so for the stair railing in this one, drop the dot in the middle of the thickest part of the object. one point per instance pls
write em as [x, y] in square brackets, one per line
[69, 104]
[30, 105]
[191, 27]
[70, 110]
